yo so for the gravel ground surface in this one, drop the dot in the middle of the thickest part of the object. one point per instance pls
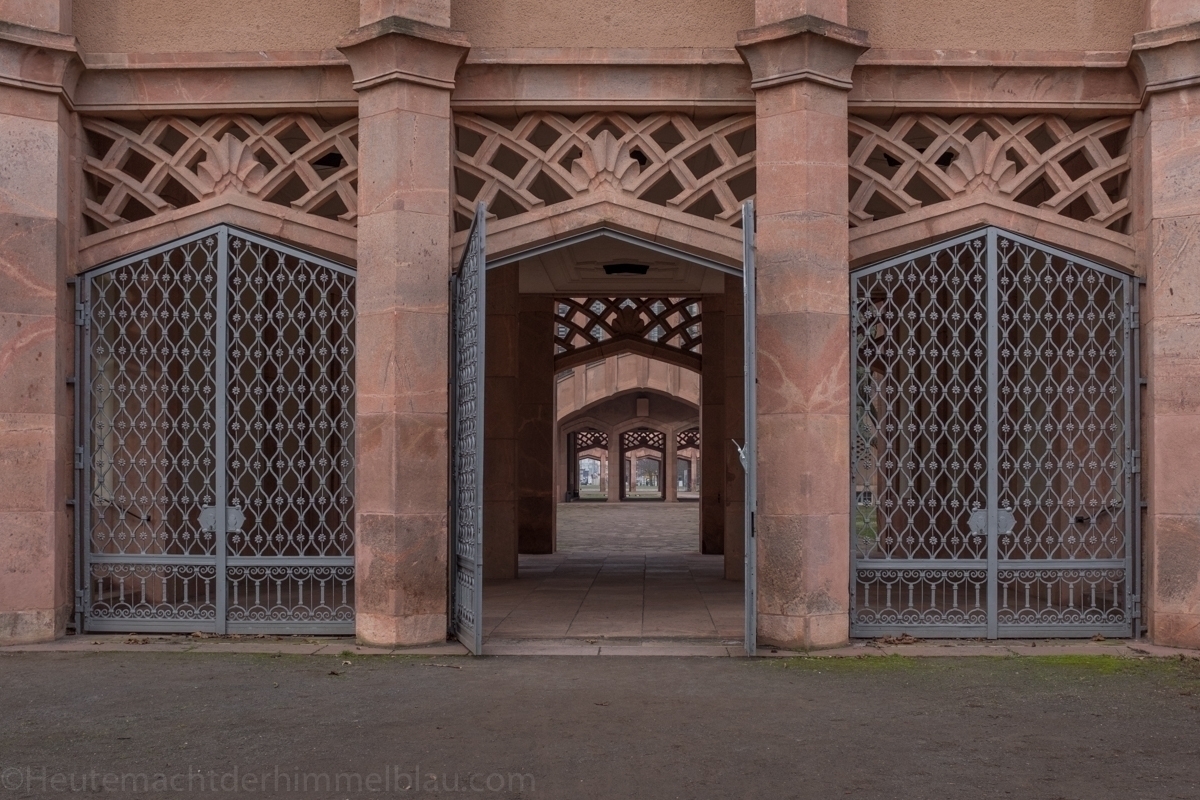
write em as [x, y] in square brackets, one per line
[194, 724]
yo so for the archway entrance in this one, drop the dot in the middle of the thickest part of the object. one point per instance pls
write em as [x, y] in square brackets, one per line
[533, 557]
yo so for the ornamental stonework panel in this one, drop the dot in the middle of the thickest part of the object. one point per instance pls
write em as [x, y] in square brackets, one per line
[700, 167]
[587, 327]
[1076, 168]
[135, 169]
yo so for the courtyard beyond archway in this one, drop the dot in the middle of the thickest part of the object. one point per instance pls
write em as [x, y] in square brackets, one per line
[625, 571]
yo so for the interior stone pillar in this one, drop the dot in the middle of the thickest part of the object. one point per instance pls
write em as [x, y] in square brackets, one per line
[670, 488]
[403, 71]
[712, 427]
[800, 72]
[1167, 59]
[37, 68]
[535, 425]
[500, 426]
[732, 474]
[615, 467]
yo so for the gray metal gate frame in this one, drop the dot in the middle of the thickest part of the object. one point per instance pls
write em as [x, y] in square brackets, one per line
[748, 453]
[468, 302]
[1130, 564]
[219, 518]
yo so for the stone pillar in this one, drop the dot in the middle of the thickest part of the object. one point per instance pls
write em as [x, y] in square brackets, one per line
[535, 425]
[500, 426]
[616, 467]
[37, 68]
[670, 489]
[732, 474]
[800, 70]
[712, 427]
[403, 71]
[1167, 58]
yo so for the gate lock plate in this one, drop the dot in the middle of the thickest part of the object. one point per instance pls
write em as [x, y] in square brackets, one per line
[233, 519]
[1005, 521]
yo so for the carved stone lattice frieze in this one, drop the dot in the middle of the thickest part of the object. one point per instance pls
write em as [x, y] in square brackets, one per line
[688, 438]
[587, 325]
[701, 167]
[1075, 168]
[643, 438]
[589, 439]
[135, 170]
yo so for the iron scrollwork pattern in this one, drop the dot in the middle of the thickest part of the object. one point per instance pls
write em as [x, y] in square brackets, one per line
[150, 432]
[290, 433]
[1064, 418]
[991, 442]
[218, 402]
[467, 343]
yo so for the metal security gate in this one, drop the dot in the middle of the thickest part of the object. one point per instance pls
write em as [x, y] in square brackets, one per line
[749, 452]
[468, 303]
[993, 443]
[215, 454]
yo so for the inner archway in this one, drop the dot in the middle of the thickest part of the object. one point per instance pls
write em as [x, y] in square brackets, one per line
[610, 471]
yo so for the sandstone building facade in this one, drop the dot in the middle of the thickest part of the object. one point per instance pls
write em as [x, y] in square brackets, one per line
[258, 258]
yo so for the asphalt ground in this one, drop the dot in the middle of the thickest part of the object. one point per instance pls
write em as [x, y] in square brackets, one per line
[154, 724]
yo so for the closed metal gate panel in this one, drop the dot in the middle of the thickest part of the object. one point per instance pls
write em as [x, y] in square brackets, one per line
[467, 300]
[993, 461]
[216, 439]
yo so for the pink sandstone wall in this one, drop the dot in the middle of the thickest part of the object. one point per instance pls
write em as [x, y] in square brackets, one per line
[615, 23]
[998, 25]
[175, 26]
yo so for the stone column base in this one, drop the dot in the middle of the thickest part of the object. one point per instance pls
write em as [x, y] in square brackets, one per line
[812, 632]
[37, 625]
[379, 629]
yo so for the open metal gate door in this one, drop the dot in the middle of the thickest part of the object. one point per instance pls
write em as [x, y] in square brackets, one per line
[467, 307]
[994, 465]
[749, 451]
[215, 440]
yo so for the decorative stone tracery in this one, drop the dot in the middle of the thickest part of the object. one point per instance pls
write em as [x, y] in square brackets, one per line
[589, 327]
[700, 167]
[139, 170]
[1074, 168]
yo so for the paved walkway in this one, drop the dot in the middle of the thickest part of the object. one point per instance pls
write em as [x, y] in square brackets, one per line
[627, 574]
[636, 527]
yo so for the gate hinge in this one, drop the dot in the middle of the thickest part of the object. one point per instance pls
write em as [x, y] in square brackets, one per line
[79, 458]
[1135, 462]
[1133, 317]
[81, 314]
[1135, 602]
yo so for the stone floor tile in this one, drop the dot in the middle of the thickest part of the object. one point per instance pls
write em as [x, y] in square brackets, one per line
[622, 570]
